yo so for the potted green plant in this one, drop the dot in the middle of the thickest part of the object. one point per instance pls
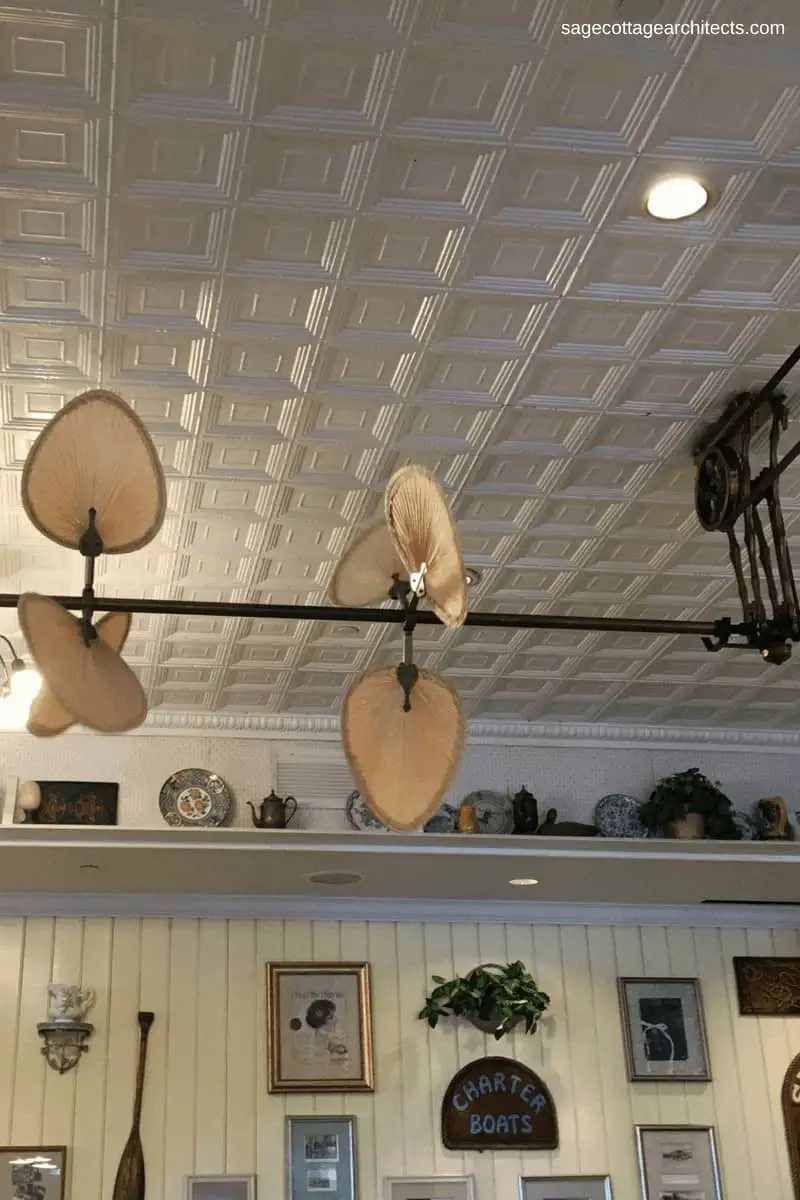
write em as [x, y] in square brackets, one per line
[494, 999]
[688, 805]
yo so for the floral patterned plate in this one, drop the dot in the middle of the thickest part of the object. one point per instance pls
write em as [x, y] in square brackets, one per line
[195, 797]
[617, 816]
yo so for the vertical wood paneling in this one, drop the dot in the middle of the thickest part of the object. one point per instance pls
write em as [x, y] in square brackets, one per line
[206, 1106]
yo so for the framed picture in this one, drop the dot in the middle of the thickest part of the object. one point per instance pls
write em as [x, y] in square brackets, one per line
[221, 1187]
[430, 1187]
[32, 1172]
[319, 1022]
[68, 802]
[663, 1029]
[322, 1158]
[768, 987]
[678, 1162]
[565, 1187]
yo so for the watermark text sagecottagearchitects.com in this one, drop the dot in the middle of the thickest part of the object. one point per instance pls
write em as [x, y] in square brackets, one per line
[650, 29]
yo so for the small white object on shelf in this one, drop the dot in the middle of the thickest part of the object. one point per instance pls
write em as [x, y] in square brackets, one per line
[29, 797]
[10, 800]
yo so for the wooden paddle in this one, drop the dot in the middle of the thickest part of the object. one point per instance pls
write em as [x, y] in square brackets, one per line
[129, 1184]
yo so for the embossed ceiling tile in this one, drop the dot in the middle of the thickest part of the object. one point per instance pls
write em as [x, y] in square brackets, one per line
[322, 508]
[487, 513]
[467, 380]
[354, 18]
[517, 475]
[679, 590]
[50, 60]
[508, 263]
[670, 390]
[529, 584]
[216, 535]
[58, 354]
[252, 364]
[380, 373]
[177, 160]
[549, 552]
[638, 437]
[324, 175]
[607, 479]
[452, 428]
[404, 252]
[628, 554]
[195, 654]
[450, 469]
[188, 701]
[741, 276]
[488, 22]
[49, 228]
[536, 190]
[576, 518]
[537, 666]
[340, 468]
[504, 326]
[704, 554]
[246, 415]
[483, 549]
[708, 337]
[590, 586]
[148, 357]
[272, 309]
[298, 245]
[165, 300]
[433, 181]
[667, 520]
[458, 92]
[729, 184]
[241, 501]
[60, 295]
[395, 316]
[575, 387]
[775, 339]
[168, 236]
[169, 412]
[164, 73]
[635, 268]
[593, 329]
[239, 459]
[584, 102]
[540, 431]
[359, 424]
[325, 85]
[40, 153]
[175, 455]
[213, 570]
[772, 54]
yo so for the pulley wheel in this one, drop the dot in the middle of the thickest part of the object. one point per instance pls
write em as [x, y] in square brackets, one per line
[717, 488]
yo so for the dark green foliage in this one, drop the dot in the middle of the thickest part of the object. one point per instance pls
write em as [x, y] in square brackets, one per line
[495, 998]
[690, 792]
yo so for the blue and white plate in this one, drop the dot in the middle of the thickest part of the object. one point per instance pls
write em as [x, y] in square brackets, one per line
[617, 815]
[360, 815]
[443, 821]
[494, 811]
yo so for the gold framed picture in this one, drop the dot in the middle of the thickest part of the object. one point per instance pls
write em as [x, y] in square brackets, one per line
[319, 1027]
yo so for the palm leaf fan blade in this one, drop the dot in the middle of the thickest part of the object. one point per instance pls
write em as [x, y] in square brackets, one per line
[48, 717]
[95, 453]
[92, 683]
[402, 762]
[365, 572]
[419, 518]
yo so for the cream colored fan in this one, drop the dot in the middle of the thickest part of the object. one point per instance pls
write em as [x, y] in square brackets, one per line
[402, 728]
[92, 482]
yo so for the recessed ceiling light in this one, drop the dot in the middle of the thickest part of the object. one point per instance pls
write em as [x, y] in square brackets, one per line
[675, 198]
[523, 882]
[335, 878]
[472, 576]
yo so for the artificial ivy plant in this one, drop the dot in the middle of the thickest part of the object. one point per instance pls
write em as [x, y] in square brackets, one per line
[495, 999]
[686, 792]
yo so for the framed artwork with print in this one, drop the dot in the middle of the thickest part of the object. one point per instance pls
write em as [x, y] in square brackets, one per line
[221, 1187]
[319, 1019]
[565, 1187]
[429, 1187]
[664, 1030]
[32, 1172]
[322, 1158]
[678, 1162]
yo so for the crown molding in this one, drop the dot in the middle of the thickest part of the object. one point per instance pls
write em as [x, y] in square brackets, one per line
[289, 727]
[446, 912]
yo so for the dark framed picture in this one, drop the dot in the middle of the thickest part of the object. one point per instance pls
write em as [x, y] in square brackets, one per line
[678, 1162]
[321, 1157]
[71, 802]
[319, 1027]
[663, 1030]
[768, 987]
[32, 1172]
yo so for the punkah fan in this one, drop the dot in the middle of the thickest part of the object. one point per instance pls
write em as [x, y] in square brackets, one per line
[92, 482]
[402, 728]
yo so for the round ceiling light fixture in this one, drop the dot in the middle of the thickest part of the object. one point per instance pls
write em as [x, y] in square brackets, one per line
[334, 878]
[675, 198]
[523, 882]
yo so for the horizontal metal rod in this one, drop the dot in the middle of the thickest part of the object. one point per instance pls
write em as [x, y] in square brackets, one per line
[378, 616]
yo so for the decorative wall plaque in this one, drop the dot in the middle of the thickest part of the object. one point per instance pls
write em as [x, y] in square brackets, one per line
[498, 1104]
[70, 802]
[790, 1103]
[768, 987]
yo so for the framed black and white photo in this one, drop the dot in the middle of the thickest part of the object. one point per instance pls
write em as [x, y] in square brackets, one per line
[429, 1187]
[678, 1162]
[664, 1030]
[32, 1172]
[322, 1158]
[221, 1187]
[565, 1187]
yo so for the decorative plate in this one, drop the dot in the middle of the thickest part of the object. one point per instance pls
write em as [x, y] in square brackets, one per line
[360, 815]
[195, 797]
[493, 810]
[617, 815]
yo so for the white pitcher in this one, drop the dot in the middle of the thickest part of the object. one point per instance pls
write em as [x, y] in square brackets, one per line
[68, 1004]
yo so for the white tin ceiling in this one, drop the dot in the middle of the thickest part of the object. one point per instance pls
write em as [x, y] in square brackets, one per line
[310, 240]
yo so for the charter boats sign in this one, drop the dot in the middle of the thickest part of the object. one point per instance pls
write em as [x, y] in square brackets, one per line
[498, 1104]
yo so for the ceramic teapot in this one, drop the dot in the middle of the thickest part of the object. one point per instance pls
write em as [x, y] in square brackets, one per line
[274, 812]
[526, 812]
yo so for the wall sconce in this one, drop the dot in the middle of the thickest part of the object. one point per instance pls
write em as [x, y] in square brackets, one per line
[66, 1033]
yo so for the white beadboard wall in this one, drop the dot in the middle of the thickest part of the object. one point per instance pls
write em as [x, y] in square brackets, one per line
[570, 777]
[206, 1109]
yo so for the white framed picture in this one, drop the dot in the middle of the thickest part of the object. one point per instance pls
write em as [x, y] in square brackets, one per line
[678, 1162]
[429, 1187]
[565, 1187]
[221, 1187]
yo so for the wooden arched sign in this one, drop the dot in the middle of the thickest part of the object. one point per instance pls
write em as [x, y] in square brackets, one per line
[498, 1104]
[790, 1103]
